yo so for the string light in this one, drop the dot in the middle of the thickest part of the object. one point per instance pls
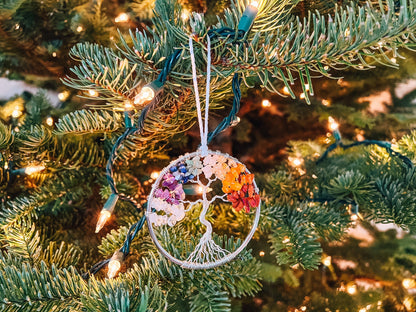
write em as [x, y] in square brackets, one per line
[122, 18]
[106, 212]
[332, 124]
[302, 96]
[92, 93]
[286, 240]
[354, 217]
[80, 28]
[303, 308]
[307, 86]
[362, 310]
[326, 102]
[326, 261]
[393, 59]
[17, 26]
[351, 288]
[185, 15]
[326, 67]
[235, 121]
[262, 253]
[16, 112]
[33, 169]
[154, 175]
[266, 103]
[295, 161]
[49, 121]
[380, 44]
[148, 93]
[248, 17]
[409, 283]
[54, 54]
[115, 264]
[62, 96]
[286, 90]
[128, 106]
[408, 303]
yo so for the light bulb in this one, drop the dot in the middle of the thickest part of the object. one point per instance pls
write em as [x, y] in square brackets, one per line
[92, 92]
[326, 102]
[362, 310]
[307, 86]
[266, 103]
[303, 308]
[54, 54]
[63, 95]
[235, 121]
[302, 96]
[286, 90]
[333, 125]
[16, 113]
[145, 96]
[347, 32]
[351, 289]
[354, 217]
[104, 216]
[185, 15]
[128, 106]
[261, 253]
[113, 267]
[254, 4]
[49, 121]
[286, 240]
[33, 169]
[326, 261]
[393, 59]
[122, 18]
[80, 28]
[154, 175]
[409, 283]
[295, 161]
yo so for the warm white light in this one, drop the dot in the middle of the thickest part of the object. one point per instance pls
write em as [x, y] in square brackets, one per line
[326, 102]
[266, 103]
[302, 95]
[254, 4]
[286, 90]
[17, 26]
[326, 261]
[16, 129]
[354, 217]
[351, 289]
[154, 175]
[408, 303]
[104, 216]
[122, 18]
[362, 310]
[185, 15]
[295, 161]
[80, 28]
[326, 67]
[63, 95]
[286, 240]
[409, 283]
[92, 93]
[145, 96]
[33, 169]
[6, 165]
[16, 113]
[262, 253]
[49, 121]
[303, 308]
[235, 122]
[54, 54]
[200, 189]
[393, 59]
[128, 106]
[333, 125]
[347, 32]
[380, 43]
[113, 267]
[307, 86]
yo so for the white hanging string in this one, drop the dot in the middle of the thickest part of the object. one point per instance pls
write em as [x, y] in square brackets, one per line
[203, 127]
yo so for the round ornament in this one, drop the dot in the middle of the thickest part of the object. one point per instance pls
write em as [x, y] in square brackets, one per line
[187, 194]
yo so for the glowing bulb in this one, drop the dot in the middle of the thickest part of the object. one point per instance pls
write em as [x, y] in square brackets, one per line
[408, 303]
[326, 102]
[286, 90]
[17, 26]
[16, 129]
[92, 92]
[262, 253]
[235, 121]
[362, 310]
[393, 59]
[347, 32]
[185, 15]
[354, 217]
[326, 261]
[333, 125]
[6, 165]
[16, 113]
[49, 121]
[122, 18]
[113, 267]
[302, 96]
[33, 169]
[266, 103]
[254, 4]
[409, 283]
[303, 308]
[200, 189]
[295, 161]
[380, 43]
[326, 67]
[54, 54]
[80, 28]
[146, 95]
[128, 106]
[63, 95]
[104, 216]
[307, 86]
[154, 175]
[351, 289]
[286, 240]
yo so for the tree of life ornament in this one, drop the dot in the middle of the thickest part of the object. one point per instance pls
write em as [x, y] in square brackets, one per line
[168, 204]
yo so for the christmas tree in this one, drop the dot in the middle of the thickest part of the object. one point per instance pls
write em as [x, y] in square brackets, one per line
[286, 77]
